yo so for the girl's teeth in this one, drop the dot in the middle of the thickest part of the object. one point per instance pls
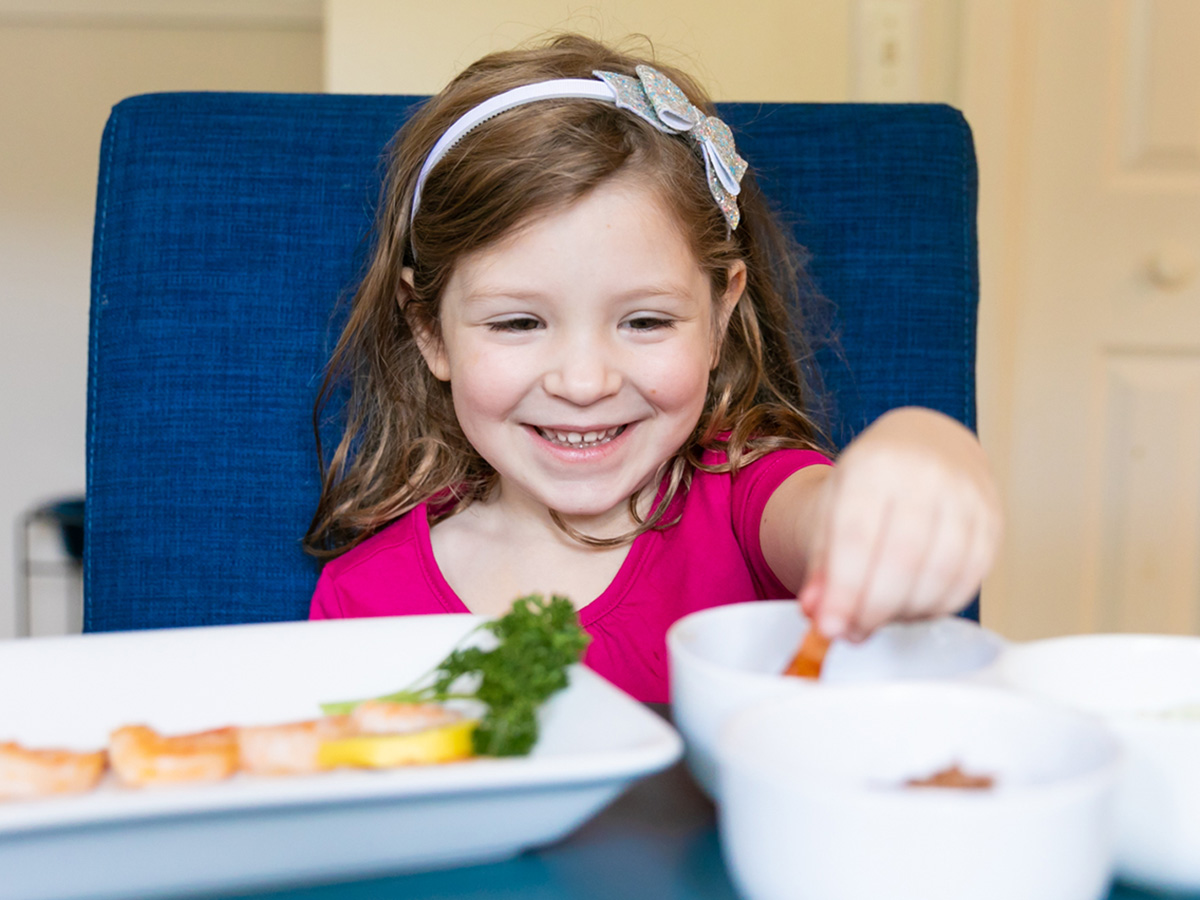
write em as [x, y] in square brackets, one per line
[579, 439]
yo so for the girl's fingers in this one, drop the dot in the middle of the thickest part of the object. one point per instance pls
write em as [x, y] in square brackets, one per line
[922, 561]
[943, 567]
[962, 556]
[855, 527]
[901, 538]
[903, 555]
[909, 526]
[977, 560]
[811, 593]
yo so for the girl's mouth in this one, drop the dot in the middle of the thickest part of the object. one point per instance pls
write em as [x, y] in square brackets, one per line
[579, 440]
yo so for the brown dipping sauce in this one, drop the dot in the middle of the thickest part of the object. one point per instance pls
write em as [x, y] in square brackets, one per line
[953, 777]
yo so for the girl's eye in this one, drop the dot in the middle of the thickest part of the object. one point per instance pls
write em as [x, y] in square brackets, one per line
[649, 323]
[522, 323]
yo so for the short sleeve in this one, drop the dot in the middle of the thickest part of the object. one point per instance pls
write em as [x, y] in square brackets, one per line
[752, 488]
[326, 604]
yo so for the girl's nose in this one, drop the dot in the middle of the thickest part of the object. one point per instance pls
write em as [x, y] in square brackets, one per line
[583, 373]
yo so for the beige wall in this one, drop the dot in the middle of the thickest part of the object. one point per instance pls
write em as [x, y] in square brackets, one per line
[58, 79]
[763, 50]
[64, 63]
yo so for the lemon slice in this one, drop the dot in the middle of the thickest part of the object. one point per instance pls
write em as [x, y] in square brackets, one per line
[446, 743]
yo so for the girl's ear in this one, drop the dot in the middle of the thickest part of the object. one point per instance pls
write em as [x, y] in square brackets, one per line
[734, 288]
[429, 343]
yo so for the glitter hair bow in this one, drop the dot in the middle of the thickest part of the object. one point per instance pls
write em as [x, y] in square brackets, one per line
[650, 96]
[657, 99]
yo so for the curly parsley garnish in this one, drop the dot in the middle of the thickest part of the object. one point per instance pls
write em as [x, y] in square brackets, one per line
[537, 641]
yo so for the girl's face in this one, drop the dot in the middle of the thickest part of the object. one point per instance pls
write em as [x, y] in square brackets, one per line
[578, 350]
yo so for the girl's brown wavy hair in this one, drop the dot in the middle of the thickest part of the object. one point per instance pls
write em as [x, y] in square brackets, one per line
[401, 443]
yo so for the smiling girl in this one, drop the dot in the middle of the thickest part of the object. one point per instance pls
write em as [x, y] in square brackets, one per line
[570, 373]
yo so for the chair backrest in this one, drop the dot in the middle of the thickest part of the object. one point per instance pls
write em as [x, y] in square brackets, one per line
[229, 225]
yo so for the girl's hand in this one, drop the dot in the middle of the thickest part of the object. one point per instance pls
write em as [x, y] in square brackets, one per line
[909, 523]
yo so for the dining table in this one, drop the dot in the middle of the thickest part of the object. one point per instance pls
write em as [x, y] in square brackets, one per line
[658, 841]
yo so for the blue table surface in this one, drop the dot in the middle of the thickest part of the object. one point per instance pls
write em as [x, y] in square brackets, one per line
[658, 841]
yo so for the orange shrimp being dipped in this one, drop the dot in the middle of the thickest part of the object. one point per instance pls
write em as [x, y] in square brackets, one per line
[26, 773]
[142, 757]
[289, 749]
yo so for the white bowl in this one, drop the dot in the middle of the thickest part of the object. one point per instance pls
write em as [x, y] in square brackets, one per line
[725, 658]
[1143, 687]
[814, 802]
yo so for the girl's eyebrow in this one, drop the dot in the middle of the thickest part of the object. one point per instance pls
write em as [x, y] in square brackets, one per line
[486, 292]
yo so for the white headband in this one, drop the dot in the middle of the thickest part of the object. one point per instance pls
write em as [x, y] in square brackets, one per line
[651, 96]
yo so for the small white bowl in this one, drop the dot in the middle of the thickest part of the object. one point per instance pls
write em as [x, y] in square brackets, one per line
[814, 801]
[725, 658]
[1147, 690]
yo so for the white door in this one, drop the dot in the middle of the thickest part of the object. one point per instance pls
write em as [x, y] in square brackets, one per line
[1089, 142]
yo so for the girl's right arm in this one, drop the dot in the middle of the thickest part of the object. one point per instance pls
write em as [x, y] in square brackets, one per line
[904, 527]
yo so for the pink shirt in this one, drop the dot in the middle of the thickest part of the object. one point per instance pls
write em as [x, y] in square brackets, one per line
[710, 558]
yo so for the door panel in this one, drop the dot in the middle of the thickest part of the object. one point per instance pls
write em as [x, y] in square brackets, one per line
[1098, 218]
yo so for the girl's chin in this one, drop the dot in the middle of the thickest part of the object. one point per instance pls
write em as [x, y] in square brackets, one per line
[598, 512]
[583, 518]
[600, 519]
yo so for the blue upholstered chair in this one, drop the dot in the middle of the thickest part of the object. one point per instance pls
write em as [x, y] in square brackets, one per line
[228, 226]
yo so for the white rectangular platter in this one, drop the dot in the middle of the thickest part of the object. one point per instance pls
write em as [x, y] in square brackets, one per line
[251, 832]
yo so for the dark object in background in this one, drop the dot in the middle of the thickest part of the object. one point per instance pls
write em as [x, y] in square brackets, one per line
[67, 515]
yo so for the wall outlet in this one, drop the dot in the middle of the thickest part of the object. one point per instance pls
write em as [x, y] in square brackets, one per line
[886, 52]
